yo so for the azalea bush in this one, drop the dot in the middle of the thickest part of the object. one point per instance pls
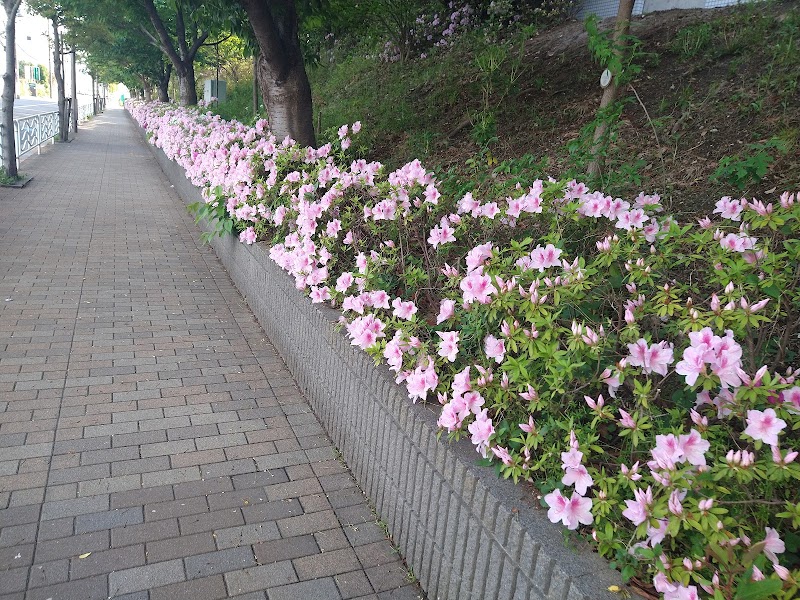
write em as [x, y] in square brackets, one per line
[639, 371]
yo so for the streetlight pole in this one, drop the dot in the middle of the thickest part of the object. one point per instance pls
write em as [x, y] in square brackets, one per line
[49, 63]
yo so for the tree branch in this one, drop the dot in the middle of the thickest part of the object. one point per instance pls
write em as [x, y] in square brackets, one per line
[166, 43]
[196, 46]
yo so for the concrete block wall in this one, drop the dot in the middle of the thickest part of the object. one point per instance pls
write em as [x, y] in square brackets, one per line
[465, 533]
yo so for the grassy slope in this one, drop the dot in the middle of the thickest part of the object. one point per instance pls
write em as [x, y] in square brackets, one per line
[712, 83]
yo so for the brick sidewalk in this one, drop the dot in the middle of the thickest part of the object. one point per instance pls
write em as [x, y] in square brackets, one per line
[152, 443]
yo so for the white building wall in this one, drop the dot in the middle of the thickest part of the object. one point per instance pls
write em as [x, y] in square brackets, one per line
[608, 8]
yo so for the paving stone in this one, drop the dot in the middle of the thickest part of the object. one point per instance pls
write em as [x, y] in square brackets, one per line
[146, 577]
[117, 517]
[219, 519]
[145, 532]
[388, 576]
[244, 535]
[260, 577]
[207, 588]
[286, 549]
[272, 511]
[91, 588]
[328, 563]
[353, 584]
[183, 546]
[321, 589]
[106, 561]
[221, 561]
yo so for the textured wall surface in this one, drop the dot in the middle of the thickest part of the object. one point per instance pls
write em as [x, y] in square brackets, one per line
[464, 532]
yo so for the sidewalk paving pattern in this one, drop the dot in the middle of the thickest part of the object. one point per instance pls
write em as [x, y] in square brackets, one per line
[153, 445]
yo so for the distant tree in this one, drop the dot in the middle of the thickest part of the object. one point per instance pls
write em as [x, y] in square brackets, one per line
[182, 49]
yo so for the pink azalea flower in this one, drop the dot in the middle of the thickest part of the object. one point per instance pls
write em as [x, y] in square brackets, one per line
[422, 380]
[627, 420]
[774, 545]
[502, 454]
[461, 382]
[481, 429]
[764, 426]
[674, 503]
[682, 593]
[528, 427]
[448, 347]
[655, 358]
[639, 509]
[542, 258]
[344, 281]
[473, 402]
[476, 257]
[446, 310]
[693, 363]
[403, 310]
[693, 447]
[450, 417]
[571, 512]
[365, 331]
[667, 452]
[320, 294]
[477, 287]
[393, 352]
[579, 477]
[248, 236]
[729, 209]
[792, 396]
[495, 348]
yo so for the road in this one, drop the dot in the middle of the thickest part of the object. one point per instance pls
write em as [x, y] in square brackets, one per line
[27, 107]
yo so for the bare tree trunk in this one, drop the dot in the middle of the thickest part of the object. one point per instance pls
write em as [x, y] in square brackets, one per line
[9, 88]
[621, 28]
[58, 67]
[282, 75]
[74, 69]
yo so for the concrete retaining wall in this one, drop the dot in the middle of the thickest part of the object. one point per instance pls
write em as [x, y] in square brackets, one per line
[465, 533]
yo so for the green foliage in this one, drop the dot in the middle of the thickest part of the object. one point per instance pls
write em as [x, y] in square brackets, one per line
[692, 40]
[239, 103]
[621, 58]
[749, 166]
[6, 179]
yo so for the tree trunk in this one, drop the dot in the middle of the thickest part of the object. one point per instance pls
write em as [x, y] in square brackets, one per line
[186, 84]
[621, 28]
[282, 75]
[58, 67]
[148, 96]
[163, 83]
[9, 88]
[255, 84]
[74, 111]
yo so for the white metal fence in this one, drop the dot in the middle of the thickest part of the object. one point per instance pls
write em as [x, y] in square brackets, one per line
[32, 132]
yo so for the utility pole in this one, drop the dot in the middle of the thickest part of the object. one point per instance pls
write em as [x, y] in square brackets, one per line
[49, 65]
[74, 92]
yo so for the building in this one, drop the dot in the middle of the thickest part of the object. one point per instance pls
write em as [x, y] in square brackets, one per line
[608, 8]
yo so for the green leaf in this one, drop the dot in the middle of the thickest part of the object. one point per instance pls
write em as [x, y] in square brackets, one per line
[756, 590]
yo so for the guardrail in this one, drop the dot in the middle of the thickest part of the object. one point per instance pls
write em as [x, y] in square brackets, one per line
[32, 132]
